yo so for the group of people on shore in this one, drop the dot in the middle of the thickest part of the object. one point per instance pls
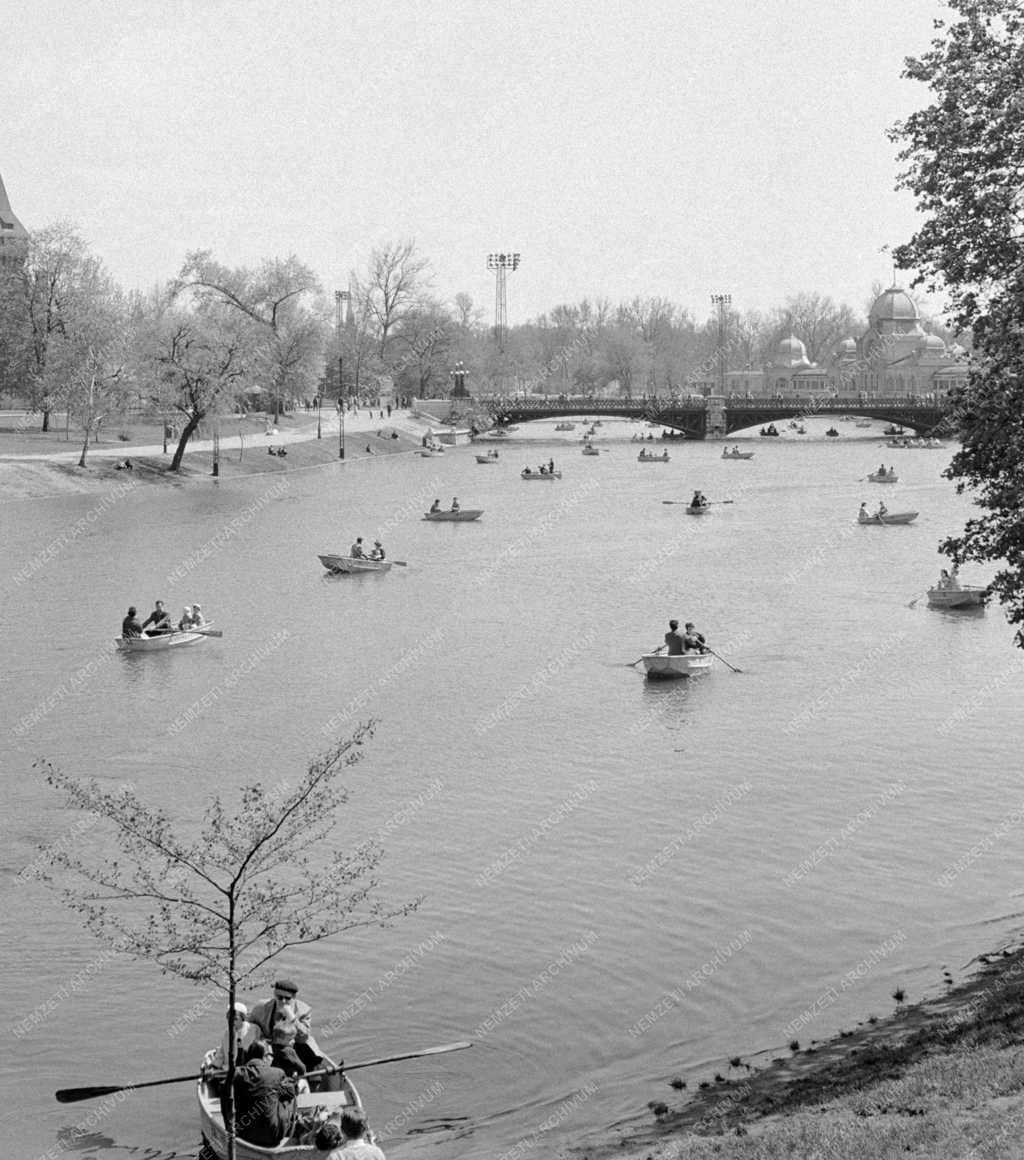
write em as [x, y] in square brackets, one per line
[358, 552]
[159, 622]
[274, 1049]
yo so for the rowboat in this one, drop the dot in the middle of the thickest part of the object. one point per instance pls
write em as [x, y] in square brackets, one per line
[888, 518]
[699, 509]
[565, 427]
[661, 667]
[590, 450]
[215, 1136]
[863, 423]
[884, 477]
[491, 458]
[540, 475]
[966, 596]
[157, 643]
[354, 564]
[737, 455]
[832, 433]
[462, 516]
[431, 452]
[662, 458]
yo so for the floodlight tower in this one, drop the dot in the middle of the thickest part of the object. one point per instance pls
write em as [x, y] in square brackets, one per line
[723, 302]
[500, 263]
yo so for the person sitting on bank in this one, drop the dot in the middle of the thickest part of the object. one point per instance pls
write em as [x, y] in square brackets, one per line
[357, 1140]
[159, 619]
[130, 626]
[693, 641]
[285, 1022]
[264, 1100]
[356, 551]
[673, 640]
[435, 506]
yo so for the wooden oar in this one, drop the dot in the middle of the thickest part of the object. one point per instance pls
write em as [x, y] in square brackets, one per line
[74, 1095]
[400, 563]
[686, 502]
[207, 631]
[655, 651]
[723, 660]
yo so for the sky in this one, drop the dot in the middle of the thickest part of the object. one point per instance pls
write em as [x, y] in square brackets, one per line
[670, 148]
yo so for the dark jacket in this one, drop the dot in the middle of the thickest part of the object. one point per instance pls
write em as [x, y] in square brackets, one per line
[264, 1103]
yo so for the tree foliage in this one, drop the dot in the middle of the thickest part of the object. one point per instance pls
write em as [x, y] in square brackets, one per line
[964, 163]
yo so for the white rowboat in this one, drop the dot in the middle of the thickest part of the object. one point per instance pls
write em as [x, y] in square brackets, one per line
[660, 666]
[459, 517]
[888, 518]
[884, 477]
[158, 643]
[350, 564]
[737, 455]
[540, 475]
[211, 1120]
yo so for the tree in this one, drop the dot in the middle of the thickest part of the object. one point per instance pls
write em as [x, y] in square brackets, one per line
[198, 355]
[426, 335]
[395, 281]
[963, 157]
[284, 301]
[217, 905]
[88, 357]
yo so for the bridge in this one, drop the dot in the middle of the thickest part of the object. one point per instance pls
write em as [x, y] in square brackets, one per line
[699, 418]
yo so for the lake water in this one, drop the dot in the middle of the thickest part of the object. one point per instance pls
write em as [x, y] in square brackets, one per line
[622, 881]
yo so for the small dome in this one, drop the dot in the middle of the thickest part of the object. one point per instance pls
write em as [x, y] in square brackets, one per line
[934, 344]
[791, 353]
[894, 305]
[847, 346]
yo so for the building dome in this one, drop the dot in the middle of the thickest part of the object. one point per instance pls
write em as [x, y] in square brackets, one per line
[847, 346]
[791, 353]
[894, 305]
[934, 345]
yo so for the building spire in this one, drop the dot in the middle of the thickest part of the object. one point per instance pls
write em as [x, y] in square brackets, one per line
[13, 235]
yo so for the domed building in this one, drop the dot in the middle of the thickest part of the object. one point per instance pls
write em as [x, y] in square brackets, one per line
[894, 356]
[13, 235]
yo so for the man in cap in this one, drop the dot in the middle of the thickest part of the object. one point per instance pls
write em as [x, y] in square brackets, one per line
[285, 1023]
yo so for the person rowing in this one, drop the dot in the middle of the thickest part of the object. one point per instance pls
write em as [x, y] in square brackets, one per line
[435, 506]
[159, 619]
[698, 500]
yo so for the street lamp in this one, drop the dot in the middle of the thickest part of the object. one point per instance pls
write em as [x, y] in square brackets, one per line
[319, 409]
[458, 378]
[722, 302]
[341, 406]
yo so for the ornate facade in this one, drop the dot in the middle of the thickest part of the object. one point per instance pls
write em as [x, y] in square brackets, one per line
[894, 356]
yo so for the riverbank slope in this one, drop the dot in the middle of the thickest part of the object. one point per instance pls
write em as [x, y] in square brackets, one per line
[943, 1078]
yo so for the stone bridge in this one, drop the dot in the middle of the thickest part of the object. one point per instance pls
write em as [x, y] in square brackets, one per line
[701, 418]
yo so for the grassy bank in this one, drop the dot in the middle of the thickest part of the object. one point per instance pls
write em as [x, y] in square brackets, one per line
[942, 1079]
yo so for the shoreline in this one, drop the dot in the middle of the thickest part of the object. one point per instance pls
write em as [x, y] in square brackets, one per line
[56, 474]
[915, 1069]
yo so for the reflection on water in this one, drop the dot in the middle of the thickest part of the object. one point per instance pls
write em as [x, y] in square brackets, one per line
[625, 880]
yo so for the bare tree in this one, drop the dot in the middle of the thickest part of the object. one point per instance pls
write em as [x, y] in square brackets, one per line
[217, 905]
[395, 280]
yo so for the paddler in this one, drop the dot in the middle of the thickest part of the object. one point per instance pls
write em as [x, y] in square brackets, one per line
[159, 619]
[130, 626]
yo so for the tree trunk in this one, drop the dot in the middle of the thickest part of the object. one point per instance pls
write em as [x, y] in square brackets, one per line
[85, 445]
[229, 1120]
[46, 419]
[179, 452]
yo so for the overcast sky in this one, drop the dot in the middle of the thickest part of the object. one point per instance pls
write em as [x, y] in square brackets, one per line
[662, 147]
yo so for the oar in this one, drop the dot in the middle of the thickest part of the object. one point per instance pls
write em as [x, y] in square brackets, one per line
[74, 1095]
[686, 502]
[655, 651]
[723, 660]
[207, 631]
[400, 563]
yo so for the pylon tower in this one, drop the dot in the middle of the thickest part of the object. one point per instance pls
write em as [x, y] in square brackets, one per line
[501, 264]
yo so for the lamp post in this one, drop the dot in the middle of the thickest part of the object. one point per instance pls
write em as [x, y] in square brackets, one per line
[341, 406]
[722, 302]
[458, 378]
